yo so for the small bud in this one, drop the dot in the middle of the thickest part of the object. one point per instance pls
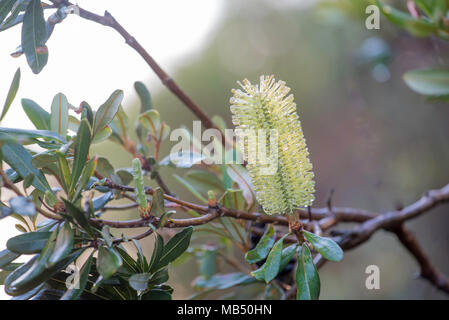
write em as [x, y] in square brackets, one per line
[212, 200]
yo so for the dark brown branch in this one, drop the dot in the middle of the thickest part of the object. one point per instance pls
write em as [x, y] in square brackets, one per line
[428, 271]
[391, 219]
[108, 20]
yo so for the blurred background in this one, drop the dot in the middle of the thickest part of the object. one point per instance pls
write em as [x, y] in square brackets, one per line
[371, 139]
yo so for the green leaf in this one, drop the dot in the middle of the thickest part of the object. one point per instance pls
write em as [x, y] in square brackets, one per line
[74, 294]
[107, 111]
[6, 257]
[416, 26]
[204, 181]
[307, 278]
[157, 294]
[141, 260]
[151, 120]
[105, 168]
[287, 255]
[274, 292]
[28, 136]
[5, 211]
[11, 93]
[182, 160]
[22, 206]
[99, 202]
[157, 253]
[158, 205]
[129, 264]
[13, 19]
[125, 176]
[144, 96]
[38, 116]
[3, 276]
[159, 277]
[273, 263]
[262, 249]
[82, 145]
[29, 279]
[34, 36]
[431, 82]
[223, 281]
[165, 217]
[106, 235]
[74, 123]
[208, 262]
[20, 160]
[87, 113]
[88, 171]
[59, 118]
[120, 125]
[63, 246]
[191, 188]
[79, 216]
[139, 281]
[240, 175]
[233, 199]
[108, 262]
[102, 135]
[139, 187]
[5, 7]
[36, 274]
[328, 248]
[28, 243]
[64, 171]
[175, 247]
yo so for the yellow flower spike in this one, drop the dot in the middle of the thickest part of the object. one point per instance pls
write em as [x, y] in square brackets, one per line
[268, 108]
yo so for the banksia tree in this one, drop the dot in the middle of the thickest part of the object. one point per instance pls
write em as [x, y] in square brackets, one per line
[53, 171]
[269, 112]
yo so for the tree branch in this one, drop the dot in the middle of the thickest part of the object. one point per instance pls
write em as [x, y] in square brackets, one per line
[108, 20]
[428, 271]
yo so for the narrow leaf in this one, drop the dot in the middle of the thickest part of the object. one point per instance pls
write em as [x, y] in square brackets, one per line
[108, 262]
[82, 144]
[27, 243]
[307, 278]
[59, 119]
[63, 246]
[20, 160]
[107, 111]
[34, 36]
[38, 116]
[328, 248]
[11, 93]
[74, 294]
[6, 257]
[22, 206]
[431, 82]
[139, 281]
[273, 263]
[262, 249]
[175, 247]
[144, 96]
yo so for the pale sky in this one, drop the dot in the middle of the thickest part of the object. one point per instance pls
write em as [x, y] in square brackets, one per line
[88, 61]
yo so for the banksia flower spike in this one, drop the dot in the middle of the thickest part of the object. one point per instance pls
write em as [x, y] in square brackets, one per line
[267, 108]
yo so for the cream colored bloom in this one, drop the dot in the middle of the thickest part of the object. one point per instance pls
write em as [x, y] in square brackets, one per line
[268, 107]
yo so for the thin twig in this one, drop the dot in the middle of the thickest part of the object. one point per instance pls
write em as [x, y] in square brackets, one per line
[108, 20]
[428, 271]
